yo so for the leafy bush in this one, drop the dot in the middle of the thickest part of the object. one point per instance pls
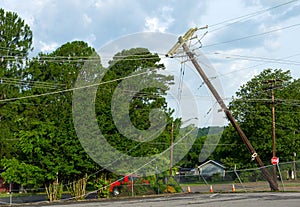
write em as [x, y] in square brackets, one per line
[216, 177]
[103, 187]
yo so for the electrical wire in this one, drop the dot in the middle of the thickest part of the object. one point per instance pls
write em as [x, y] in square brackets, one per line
[141, 167]
[260, 59]
[134, 59]
[72, 89]
[252, 36]
[50, 58]
[253, 66]
[247, 16]
[232, 21]
[181, 79]
[29, 83]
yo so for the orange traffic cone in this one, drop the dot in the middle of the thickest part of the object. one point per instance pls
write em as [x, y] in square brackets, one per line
[188, 189]
[211, 189]
[233, 188]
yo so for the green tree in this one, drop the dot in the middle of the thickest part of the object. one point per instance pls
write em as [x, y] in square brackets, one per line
[21, 172]
[199, 146]
[252, 109]
[131, 89]
[47, 137]
[15, 45]
[126, 63]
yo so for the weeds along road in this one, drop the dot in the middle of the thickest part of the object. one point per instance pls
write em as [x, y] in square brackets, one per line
[275, 199]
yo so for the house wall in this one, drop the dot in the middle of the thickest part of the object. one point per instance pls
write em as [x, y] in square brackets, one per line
[211, 169]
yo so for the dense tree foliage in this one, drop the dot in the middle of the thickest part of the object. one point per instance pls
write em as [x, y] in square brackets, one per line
[252, 109]
[15, 44]
[48, 144]
[137, 60]
[200, 145]
[38, 142]
[47, 150]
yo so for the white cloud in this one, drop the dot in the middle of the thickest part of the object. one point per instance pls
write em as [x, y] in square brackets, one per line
[86, 19]
[161, 20]
[47, 47]
[98, 21]
[99, 4]
[154, 25]
[102, 4]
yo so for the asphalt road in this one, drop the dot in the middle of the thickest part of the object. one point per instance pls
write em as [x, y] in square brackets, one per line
[195, 199]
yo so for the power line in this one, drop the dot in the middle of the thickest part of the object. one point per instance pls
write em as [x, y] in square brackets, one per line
[260, 59]
[288, 102]
[247, 16]
[236, 20]
[50, 58]
[30, 83]
[72, 89]
[253, 66]
[252, 36]
[152, 160]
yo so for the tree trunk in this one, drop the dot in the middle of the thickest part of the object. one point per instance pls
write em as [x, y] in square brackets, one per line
[54, 191]
[77, 188]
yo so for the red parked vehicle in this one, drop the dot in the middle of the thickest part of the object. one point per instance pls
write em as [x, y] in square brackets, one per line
[126, 181]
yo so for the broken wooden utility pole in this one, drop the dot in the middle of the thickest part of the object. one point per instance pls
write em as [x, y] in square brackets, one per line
[182, 43]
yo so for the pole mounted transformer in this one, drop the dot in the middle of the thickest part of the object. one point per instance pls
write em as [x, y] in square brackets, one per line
[182, 43]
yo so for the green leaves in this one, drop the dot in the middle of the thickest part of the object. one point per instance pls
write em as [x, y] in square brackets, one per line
[15, 43]
[252, 109]
[146, 93]
[46, 137]
[44, 146]
[21, 172]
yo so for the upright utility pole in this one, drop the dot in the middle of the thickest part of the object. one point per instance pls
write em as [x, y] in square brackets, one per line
[182, 42]
[171, 149]
[294, 166]
[272, 84]
[273, 133]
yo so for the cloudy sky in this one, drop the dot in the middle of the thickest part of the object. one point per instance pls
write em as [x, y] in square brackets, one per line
[243, 36]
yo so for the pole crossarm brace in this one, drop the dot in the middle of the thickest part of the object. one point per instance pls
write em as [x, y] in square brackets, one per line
[182, 43]
[187, 36]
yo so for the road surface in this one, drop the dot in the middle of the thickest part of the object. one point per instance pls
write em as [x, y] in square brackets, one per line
[275, 199]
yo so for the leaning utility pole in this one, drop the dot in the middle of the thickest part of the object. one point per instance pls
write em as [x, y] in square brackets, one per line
[182, 43]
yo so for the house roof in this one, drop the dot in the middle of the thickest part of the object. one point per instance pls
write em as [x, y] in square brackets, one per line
[185, 169]
[213, 162]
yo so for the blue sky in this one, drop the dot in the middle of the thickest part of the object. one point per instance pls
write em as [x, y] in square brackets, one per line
[55, 22]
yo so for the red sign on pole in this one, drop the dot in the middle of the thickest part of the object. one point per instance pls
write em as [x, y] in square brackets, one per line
[275, 160]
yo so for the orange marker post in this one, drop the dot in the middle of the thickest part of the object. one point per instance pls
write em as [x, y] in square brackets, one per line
[211, 189]
[233, 188]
